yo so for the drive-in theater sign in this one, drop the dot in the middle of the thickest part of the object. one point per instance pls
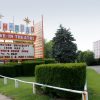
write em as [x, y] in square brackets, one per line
[18, 42]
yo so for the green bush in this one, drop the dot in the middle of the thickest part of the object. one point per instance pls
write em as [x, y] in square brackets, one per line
[7, 70]
[71, 76]
[49, 61]
[18, 69]
[43, 61]
[26, 68]
[34, 61]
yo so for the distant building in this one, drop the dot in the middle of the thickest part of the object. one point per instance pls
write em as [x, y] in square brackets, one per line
[96, 49]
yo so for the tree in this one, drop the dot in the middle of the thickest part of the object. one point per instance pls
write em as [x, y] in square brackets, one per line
[80, 56]
[86, 56]
[48, 49]
[64, 48]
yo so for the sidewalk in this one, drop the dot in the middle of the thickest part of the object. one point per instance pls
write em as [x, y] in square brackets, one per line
[2, 97]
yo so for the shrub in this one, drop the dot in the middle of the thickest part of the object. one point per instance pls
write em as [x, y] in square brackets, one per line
[49, 61]
[34, 61]
[26, 68]
[41, 61]
[7, 70]
[18, 69]
[71, 75]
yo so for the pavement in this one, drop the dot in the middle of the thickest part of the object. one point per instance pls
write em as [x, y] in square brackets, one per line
[96, 68]
[2, 97]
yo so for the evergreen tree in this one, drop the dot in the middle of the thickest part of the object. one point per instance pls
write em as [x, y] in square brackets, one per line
[64, 48]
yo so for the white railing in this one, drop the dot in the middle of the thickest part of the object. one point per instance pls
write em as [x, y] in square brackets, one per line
[84, 93]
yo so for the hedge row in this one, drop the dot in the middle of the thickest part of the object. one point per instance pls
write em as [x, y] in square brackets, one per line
[71, 76]
[26, 68]
[44, 61]
[13, 70]
[7, 70]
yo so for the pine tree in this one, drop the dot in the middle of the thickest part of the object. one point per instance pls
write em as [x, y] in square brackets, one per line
[64, 48]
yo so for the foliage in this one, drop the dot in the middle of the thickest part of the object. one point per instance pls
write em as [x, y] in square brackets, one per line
[41, 61]
[97, 62]
[49, 61]
[71, 75]
[48, 49]
[64, 48]
[14, 69]
[7, 70]
[26, 68]
[34, 61]
[86, 56]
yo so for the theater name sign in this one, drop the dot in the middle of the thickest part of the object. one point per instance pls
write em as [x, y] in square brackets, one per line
[13, 36]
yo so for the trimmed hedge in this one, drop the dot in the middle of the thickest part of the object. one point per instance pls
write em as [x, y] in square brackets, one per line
[71, 75]
[43, 61]
[49, 61]
[7, 70]
[26, 68]
[14, 69]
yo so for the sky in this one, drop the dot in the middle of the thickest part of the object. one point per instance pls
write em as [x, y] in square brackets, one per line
[81, 16]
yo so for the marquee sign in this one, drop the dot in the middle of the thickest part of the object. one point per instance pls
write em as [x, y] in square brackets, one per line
[13, 36]
[11, 26]
[16, 28]
[5, 26]
[39, 44]
[33, 38]
[16, 51]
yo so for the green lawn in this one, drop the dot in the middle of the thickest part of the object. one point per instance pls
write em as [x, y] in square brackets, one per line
[93, 79]
[24, 92]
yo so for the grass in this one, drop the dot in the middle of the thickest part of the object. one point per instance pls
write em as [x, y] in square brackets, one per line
[24, 92]
[93, 79]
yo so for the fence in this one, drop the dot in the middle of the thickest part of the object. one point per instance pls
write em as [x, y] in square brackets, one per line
[84, 93]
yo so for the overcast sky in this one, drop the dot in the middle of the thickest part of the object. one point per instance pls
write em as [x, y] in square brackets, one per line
[81, 16]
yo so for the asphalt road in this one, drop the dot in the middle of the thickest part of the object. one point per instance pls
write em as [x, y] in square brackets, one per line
[96, 68]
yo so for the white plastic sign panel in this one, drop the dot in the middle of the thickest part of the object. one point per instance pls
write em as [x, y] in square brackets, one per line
[16, 51]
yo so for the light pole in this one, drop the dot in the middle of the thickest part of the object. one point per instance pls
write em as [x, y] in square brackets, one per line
[1, 16]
